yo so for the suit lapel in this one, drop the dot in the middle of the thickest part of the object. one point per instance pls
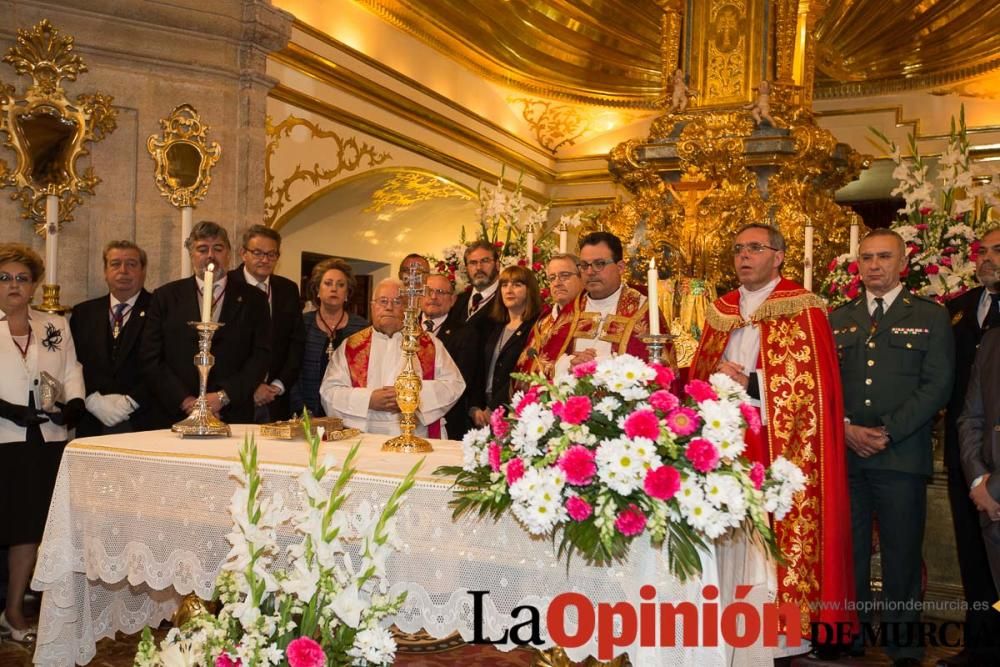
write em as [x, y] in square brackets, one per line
[859, 313]
[130, 332]
[232, 304]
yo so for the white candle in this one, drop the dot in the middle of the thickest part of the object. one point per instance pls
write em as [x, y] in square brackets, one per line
[652, 284]
[187, 221]
[530, 250]
[807, 262]
[52, 240]
[206, 294]
[855, 237]
[562, 239]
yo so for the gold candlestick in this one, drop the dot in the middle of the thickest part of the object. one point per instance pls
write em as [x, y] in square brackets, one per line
[202, 422]
[408, 383]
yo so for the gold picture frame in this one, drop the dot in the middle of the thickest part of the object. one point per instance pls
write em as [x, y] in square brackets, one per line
[183, 156]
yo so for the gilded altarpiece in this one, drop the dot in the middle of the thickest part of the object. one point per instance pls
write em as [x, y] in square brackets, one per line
[727, 47]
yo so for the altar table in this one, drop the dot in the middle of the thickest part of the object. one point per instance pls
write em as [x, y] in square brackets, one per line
[139, 520]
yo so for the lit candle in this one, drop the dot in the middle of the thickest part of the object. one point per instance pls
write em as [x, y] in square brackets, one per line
[206, 293]
[187, 221]
[807, 262]
[530, 250]
[652, 283]
[562, 239]
[51, 239]
[855, 237]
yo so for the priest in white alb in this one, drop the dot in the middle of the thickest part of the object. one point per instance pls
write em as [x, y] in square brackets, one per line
[358, 385]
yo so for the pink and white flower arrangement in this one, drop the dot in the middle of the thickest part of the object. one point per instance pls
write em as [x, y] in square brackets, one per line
[321, 603]
[939, 222]
[608, 453]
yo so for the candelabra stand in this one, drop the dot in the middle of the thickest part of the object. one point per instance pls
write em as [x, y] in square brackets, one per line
[657, 346]
[202, 422]
[408, 384]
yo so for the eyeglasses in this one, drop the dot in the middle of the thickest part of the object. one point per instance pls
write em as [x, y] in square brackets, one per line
[431, 291]
[486, 261]
[260, 254]
[22, 278]
[386, 302]
[598, 265]
[752, 248]
[562, 276]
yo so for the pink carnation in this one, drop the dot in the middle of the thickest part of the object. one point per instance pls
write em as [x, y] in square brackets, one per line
[932, 269]
[586, 368]
[703, 455]
[662, 483]
[683, 421]
[757, 475]
[515, 470]
[494, 454]
[530, 396]
[578, 508]
[946, 261]
[752, 416]
[700, 391]
[852, 268]
[630, 521]
[575, 410]
[498, 424]
[305, 652]
[923, 226]
[642, 424]
[577, 463]
[664, 376]
[663, 400]
[225, 660]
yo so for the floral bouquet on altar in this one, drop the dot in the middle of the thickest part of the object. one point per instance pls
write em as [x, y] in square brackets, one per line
[609, 453]
[940, 224]
[320, 607]
[504, 220]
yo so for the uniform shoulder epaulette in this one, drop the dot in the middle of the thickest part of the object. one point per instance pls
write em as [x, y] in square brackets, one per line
[849, 303]
[920, 297]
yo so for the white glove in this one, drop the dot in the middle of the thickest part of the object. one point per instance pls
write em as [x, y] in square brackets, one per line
[110, 409]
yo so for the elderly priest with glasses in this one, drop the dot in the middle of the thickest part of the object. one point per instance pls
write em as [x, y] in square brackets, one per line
[358, 385]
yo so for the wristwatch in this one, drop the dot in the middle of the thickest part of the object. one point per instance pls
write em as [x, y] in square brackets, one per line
[223, 397]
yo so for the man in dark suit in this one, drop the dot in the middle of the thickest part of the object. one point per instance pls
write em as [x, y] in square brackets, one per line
[462, 331]
[896, 355]
[972, 314]
[260, 250]
[242, 348]
[979, 429]
[107, 332]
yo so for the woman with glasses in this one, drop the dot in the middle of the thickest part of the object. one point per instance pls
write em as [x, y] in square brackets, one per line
[41, 400]
[331, 286]
[511, 319]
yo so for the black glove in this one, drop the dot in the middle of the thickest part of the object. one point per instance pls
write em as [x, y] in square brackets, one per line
[21, 415]
[69, 414]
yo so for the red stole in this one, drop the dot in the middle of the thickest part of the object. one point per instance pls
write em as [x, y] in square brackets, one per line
[358, 348]
[549, 339]
[800, 385]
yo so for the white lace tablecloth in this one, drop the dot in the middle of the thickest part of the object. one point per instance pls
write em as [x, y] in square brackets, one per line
[139, 520]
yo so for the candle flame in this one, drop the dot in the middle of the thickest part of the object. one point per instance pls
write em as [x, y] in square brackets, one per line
[652, 262]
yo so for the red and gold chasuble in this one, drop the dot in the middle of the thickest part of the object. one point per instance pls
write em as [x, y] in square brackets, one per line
[549, 339]
[624, 329]
[800, 386]
[358, 349]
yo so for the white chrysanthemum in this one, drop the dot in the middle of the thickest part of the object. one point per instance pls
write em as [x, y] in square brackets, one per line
[535, 421]
[607, 406]
[538, 501]
[620, 466]
[690, 494]
[725, 386]
[729, 441]
[625, 375]
[373, 646]
[725, 490]
[700, 515]
[645, 451]
[787, 472]
[474, 451]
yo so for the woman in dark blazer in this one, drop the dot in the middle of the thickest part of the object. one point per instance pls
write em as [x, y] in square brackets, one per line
[511, 319]
[331, 285]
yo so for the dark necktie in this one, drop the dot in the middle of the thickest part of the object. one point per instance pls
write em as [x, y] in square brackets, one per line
[879, 310]
[993, 315]
[117, 319]
[429, 325]
[477, 298]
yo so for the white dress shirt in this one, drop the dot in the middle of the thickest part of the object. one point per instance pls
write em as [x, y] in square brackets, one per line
[127, 313]
[743, 347]
[984, 306]
[385, 361]
[887, 299]
[487, 295]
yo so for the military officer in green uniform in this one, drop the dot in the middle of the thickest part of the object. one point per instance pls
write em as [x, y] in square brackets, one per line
[896, 363]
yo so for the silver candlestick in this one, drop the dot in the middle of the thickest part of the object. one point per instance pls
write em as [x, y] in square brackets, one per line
[202, 422]
[656, 344]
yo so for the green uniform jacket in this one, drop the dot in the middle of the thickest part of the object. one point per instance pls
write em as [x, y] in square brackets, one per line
[898, 376]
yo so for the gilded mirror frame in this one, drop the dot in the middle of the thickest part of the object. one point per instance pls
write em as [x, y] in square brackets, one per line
[182, 183]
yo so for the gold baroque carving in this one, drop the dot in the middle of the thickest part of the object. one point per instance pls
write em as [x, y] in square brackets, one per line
[407, 188]
[47, 132]
[349, 154]
[554, 125]
[184, 158]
